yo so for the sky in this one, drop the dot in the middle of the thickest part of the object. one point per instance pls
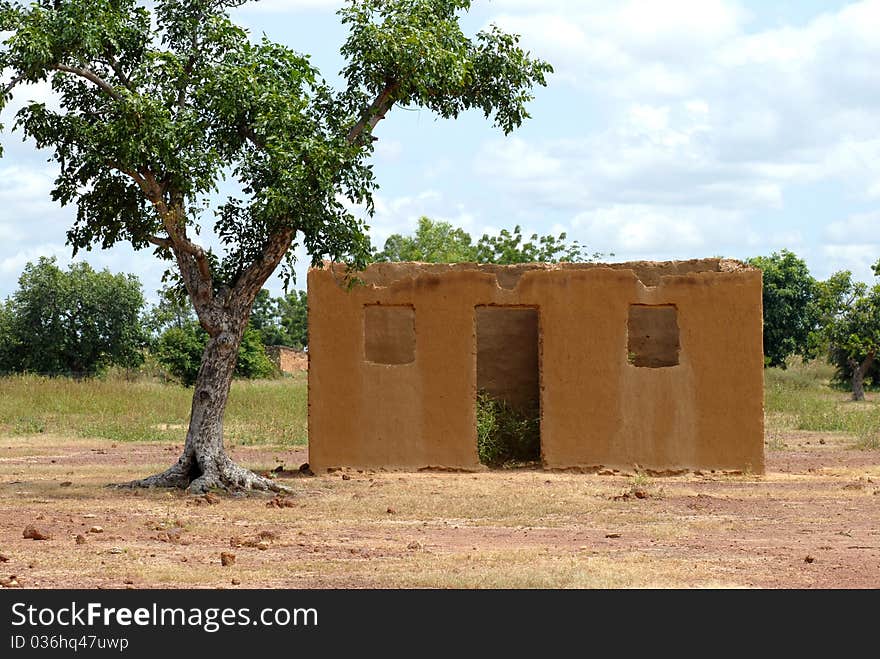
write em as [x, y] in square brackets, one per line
[669, 130]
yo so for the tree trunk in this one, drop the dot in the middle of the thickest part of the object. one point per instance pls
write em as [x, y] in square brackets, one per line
[224, 315]
[858, 378]
[204, 464]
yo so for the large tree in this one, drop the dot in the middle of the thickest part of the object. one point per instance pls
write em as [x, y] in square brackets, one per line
[71, 322]
[791, 313]
[851, 326]
[158, 105]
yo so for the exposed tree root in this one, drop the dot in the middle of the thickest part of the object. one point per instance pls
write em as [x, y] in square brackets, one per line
[226, 476]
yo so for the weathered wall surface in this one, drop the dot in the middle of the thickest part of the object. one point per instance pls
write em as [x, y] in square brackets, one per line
[287, 359]
[598, 407]
[507, 354]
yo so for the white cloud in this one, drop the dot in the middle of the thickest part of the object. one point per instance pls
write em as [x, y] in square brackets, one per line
[675, 232]
[857, 258]
[859, 228]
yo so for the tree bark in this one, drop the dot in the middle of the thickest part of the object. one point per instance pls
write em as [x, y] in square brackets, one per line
[858, 377]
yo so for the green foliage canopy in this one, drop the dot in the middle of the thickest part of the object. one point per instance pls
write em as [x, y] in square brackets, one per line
[851, 323]
[71, 322]
[791, 312]
[160, 101]
[439, 242]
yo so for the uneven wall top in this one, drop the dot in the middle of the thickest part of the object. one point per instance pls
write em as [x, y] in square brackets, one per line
[648, 272]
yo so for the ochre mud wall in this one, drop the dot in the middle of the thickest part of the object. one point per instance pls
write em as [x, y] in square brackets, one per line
[287, 359]
[654, 366]
[507, 354]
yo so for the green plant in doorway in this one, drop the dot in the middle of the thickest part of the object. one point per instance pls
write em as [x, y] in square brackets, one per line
[505, 434]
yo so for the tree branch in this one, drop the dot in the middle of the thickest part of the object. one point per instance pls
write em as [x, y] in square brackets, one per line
[8, 88]
[159, 242]
[91, 76]
[255, 275]
[187, 70]
[375, 113]
[117, 69]
[252, 137]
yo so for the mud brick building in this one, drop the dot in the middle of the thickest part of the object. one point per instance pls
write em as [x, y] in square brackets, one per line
[655, 366]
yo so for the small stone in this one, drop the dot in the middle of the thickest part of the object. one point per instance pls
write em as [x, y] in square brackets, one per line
[346, 477]
[612, 535]
[414, 545]
[9, 582]
[89, 516]
[211, 498]
[280, 502]
[236, 582]
[80, 539]
[227, 558]
[606, 472]
[128, 581]
[4, 559]
[116, 550]
[262, 545]
[96, 529]
[32, 533]
[268, 535]
[391, 511]
[65, 484]
[809, 559]
[821, 441]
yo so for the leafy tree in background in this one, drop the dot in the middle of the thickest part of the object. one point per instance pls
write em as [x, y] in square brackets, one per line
[159, 101]
[8, 341]
[264, 319]
[180, 350]
[851, 326]
[439, 242]
[281, 321]
[433, 242]
[293, 310]
[509, 247]
[71, 322]
[791, 313]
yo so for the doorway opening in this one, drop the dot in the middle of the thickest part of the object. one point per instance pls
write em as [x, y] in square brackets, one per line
[508, 402]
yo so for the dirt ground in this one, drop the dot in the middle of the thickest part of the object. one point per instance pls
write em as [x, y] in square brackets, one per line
[813, 521]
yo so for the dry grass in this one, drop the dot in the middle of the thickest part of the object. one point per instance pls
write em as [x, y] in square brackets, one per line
[117, 409]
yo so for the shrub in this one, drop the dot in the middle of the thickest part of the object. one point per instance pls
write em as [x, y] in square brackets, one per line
[180, 349]
[506, 434]
[253, 362]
